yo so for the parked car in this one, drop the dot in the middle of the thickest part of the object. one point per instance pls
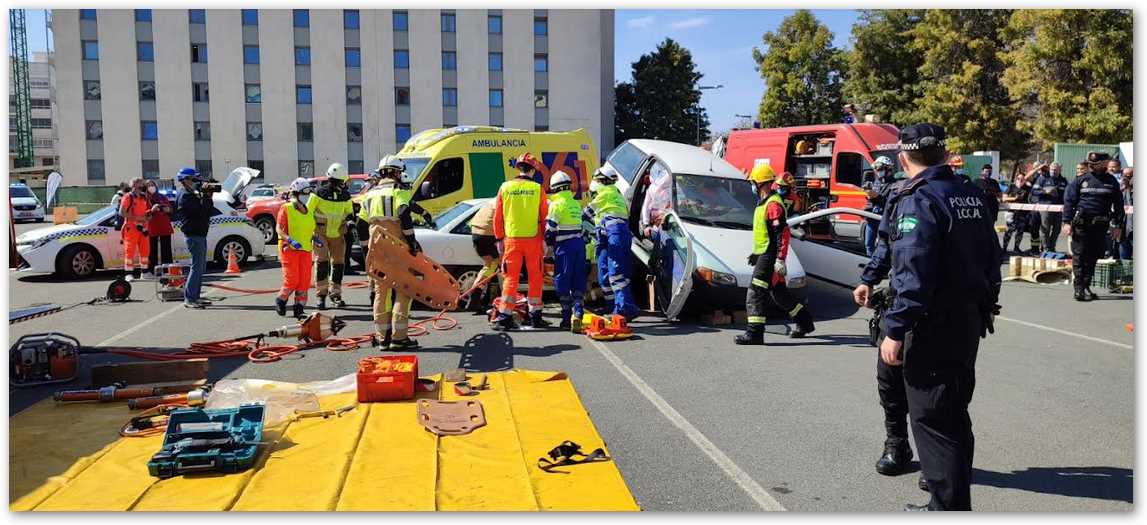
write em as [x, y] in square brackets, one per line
[263, 191]
[706, 210]
[262, 211]
[826, 253]
[92, 243]
[25, 204]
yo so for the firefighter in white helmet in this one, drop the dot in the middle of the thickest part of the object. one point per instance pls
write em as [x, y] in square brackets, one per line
[564, 234]
[334, 214]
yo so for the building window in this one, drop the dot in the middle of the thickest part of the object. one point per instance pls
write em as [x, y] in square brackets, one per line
[305, 132]
[47, 161]
[256, 165]
[446, 177]
[91, 50]
[402, 96]
[356, 166]
[353, 95]
[306, 168]
[302, 18]
[450, 97]
[150, 168]
[202, 130]
[541, 99]
[147, 90]
[96, 170]
[199, 53]
[92, 89]
[401, 21]
[255, 131]
[250, 54]
[402, 133]
[541, 63]
[87, 14]
[541, 127]
[541, 27]
[253, 93]
[350, 19]
[148, 130]
[302, 56]
[449, 24]
[94, 129]
[197, 16]
[41, 103]
[250, 17]
[354, 132]
[199, 92]
[143, 15]
[353, 57]
[494, 24]
[144, 52]
[401, 59]
[42, 123]
[203, 167]
[449, 60]
[303, 94]
[495, 98]
[495, 61]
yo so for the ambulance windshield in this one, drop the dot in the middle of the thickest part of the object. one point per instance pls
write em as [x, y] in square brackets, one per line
[414, 167]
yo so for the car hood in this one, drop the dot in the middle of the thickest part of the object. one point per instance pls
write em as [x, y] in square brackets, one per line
[25, 200]
[728, 250]
[33, 235]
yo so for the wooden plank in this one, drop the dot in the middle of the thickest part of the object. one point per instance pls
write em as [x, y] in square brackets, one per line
[188, 372]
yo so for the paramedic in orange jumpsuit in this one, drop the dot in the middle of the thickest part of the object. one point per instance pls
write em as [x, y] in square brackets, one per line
[134, 208]
[296, 228]
[519, 217]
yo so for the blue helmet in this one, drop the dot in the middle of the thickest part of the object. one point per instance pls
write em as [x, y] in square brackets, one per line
[186, 173]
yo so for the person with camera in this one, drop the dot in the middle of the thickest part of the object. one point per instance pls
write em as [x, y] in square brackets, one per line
[194, 207]
[134, 208]
[158, 228]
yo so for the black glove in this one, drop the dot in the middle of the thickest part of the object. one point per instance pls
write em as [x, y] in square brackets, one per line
[753, 259]
[415, 248]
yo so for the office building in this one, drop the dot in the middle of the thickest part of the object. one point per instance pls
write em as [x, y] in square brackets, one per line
[43, 114]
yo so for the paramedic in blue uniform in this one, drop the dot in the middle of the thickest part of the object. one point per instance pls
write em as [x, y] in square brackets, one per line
[945, 280]
[1092, 202]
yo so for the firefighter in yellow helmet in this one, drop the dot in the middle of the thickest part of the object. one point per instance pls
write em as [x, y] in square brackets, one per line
[770, 248]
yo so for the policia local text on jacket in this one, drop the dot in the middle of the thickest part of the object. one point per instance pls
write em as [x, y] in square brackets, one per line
[1092, 202]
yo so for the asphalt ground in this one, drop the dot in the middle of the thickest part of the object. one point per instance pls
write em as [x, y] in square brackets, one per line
[696, 423]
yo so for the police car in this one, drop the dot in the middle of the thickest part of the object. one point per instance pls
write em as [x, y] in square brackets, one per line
[25, 204]
[92, 243]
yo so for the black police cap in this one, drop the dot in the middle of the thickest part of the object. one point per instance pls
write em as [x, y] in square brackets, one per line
[922, 136]
[1098, 156]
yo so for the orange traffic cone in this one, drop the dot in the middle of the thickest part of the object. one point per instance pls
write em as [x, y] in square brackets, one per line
[232, 262]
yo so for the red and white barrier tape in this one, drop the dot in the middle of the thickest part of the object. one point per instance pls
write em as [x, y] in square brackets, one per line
[1017, 206]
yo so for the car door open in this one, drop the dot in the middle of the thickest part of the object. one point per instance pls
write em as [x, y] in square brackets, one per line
[675, 264]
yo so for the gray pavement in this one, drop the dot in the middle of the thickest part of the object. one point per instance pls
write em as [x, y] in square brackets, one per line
[1053, 413]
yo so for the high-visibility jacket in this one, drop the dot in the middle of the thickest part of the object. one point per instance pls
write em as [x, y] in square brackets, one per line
[300, 225]
[608, 202]
[521, 206]
[387, 201]
[563, 221]
[761, 217]
[331, 212]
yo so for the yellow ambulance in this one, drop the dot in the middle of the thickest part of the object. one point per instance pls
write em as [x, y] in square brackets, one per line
[447, 166]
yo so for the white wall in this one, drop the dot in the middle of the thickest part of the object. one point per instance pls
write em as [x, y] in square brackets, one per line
[473, 67]
[377, 42]
[277, 77]
[518, 67]
[328, 87]
[225, 76]
[70, 97]
[425, 70]
[120, 92]
[172, 90]
[575, 88]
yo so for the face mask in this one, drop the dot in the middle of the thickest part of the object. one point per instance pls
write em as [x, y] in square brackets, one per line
[783, 191]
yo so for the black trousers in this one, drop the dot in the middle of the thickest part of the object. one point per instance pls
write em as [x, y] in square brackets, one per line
[1019, 224]
[1050, 224]
[1088, 242]
[160, 252]
[893, 399]
[762, 291]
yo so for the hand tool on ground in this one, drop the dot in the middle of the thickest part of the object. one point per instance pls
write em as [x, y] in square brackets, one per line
[40, 359]
[567, 454]
[193, 398]
[107, 394]
[338, 412]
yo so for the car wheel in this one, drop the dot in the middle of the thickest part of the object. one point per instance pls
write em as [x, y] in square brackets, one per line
[266, 224]
[233, 242]
[466, 279]
[77, 262]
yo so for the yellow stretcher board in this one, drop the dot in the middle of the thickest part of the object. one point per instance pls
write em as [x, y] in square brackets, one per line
[376, 457]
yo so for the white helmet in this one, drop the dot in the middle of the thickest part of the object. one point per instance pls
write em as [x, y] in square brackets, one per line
[605, 174]
[299, 185]
[391, 162]
[559, 181]
[881, 162]
[337, 171]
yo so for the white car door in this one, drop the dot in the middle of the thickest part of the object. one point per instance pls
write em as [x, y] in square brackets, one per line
[678, 262]
[824, 252]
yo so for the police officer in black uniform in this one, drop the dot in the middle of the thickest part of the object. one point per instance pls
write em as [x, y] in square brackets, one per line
[945, 280]
[1092, 202]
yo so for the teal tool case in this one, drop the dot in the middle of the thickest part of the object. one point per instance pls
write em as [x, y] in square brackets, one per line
[200, 440]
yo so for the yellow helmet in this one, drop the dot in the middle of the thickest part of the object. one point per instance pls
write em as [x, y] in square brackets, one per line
[762, 174]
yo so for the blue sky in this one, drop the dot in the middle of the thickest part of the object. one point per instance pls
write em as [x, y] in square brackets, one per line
[721, 42]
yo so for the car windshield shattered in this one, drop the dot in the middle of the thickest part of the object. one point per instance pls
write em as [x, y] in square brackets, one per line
[715, 201]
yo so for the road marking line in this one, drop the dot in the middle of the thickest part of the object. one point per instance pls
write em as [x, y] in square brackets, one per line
[1065, 332]
[137, 327]
[758, 494]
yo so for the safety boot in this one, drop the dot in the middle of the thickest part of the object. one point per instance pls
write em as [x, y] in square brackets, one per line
[337, 301]
[754, 335]
[896, 458]
[404, 344]
[805, 325]
[909, 507]
[1081, 296]
[921, 483]
[281, 307]
[1091, 296]
[322, 302]
[575, 325]
[382, 340]
[537, 322]
[299, 311]
[504, 322]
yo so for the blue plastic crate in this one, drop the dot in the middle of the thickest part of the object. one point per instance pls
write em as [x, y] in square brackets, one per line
[199, 440]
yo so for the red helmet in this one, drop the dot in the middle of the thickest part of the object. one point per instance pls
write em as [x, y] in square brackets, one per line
[526, 159]
[786, 179]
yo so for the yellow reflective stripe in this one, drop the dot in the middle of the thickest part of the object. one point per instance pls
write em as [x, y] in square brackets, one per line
[796, 309]
[757, 319]
[760, 283]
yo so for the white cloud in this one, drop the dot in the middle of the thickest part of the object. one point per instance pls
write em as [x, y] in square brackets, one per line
[690, 23]
[644, 22]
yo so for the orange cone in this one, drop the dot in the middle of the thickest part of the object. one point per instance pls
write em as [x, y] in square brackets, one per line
[232, 262]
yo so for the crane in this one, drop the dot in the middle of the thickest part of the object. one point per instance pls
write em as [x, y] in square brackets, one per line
[21, 90]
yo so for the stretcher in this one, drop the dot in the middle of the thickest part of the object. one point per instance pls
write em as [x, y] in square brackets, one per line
[416, 276]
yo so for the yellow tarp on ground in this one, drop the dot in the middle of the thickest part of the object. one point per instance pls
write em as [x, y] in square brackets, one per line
[374, 458]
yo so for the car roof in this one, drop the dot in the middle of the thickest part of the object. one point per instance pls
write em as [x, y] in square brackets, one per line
[688, 159]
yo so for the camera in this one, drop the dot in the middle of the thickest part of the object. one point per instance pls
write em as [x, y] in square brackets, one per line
[210, 186]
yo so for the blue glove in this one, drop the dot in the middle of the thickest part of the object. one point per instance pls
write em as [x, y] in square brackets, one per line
[294, 244]
[318, 241]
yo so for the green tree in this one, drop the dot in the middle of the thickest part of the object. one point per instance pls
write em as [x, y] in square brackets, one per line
[1071, 70]
[961, 86]
[882, 69]
[662, 100]
[802, 72]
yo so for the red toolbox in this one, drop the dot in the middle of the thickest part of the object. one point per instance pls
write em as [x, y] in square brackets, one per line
[387, 378]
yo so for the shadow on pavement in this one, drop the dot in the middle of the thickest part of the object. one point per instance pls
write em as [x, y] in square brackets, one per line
[493, 352]
[1108, 483]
